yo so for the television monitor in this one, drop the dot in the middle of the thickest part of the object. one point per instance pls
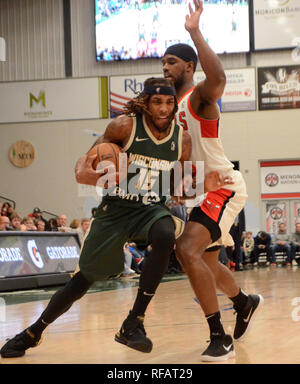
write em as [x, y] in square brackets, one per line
[276, 24]
[136, 29]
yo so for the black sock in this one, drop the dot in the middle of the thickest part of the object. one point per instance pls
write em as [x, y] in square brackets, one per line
[239, 300]
[215, 325]
[61, 302]
[38, 327]
[162, 239]
[141, 302]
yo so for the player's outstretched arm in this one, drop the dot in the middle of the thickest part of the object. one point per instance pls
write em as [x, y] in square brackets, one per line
[210, 89]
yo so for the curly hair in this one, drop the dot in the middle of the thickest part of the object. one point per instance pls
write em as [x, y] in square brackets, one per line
[139, 104]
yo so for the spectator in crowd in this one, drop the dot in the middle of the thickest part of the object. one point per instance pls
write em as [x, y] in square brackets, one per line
[128, 258]
[75, 223]
[62, 221]
[40, 226]
[6, 209]
[248, 247]
[137, 256]
[178, 210]
[37, 215]
[4, 223]
[223, 258]
[281, 243]
[15, 222]
[236, 232]
[53, 225]
[295, 242]
[27, 224]
[262, 244]
[83, 228]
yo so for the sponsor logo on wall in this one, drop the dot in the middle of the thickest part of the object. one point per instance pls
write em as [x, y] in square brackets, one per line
[27, 254]
[239, 93]
[280, 179]
[279, 87]
[276, 23]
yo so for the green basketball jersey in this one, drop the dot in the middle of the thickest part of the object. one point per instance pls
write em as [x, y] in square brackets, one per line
[150, 164]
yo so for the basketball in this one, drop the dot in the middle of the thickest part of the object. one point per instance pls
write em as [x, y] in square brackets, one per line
[109, 155]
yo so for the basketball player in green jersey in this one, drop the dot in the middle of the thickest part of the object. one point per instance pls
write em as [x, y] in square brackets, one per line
[153, 141]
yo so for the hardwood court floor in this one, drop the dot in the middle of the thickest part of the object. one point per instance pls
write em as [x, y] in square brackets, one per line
[174, 322]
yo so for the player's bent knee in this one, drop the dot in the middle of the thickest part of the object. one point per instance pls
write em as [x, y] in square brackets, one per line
[187, 257]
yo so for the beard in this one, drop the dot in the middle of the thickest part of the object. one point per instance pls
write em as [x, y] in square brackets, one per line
[179, 82]
[165, 126]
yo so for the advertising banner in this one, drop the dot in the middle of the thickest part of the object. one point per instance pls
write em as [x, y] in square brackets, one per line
[67, 99]
[31, 253]
[278, 87]
[276, 214]
[240, 90]
[239, 93]
[280, 179]
[276, 24]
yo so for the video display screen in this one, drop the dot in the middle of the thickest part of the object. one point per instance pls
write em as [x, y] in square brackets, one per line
[136, 29]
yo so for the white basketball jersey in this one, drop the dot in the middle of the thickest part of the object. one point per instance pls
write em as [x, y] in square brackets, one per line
[206, 142]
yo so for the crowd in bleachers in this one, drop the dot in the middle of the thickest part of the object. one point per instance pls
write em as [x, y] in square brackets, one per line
[267, 249]
[249, 251]
[11, 220]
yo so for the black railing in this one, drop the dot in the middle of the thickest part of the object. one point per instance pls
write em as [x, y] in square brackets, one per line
[49, 214]
[6, 199]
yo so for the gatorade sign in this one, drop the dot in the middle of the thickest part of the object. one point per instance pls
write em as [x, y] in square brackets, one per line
[31, 253]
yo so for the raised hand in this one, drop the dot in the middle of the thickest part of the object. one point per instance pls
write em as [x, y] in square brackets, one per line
[192, 20]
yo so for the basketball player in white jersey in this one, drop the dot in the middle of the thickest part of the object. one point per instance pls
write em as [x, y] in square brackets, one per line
[210, 221]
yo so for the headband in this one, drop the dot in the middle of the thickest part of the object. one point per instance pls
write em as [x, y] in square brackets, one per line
[184, 52]
[159, 90]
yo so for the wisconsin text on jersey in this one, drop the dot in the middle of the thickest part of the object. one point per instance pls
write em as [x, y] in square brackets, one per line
[150, 162]
[149, 179]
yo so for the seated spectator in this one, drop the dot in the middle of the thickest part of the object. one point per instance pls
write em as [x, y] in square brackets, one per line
[178, 210]
[248, 246]
[6, 209]
[27, 224]
[223, 258]
[128, 258]
[262, 244]
[4, 223]
[40, 226]
[136, 256]
[82, 230]
[75, 224]
[52, 225]
[62, 221]
[136, 252]
[15, 222]
[295, 242]
[37, 214]
[281, 243]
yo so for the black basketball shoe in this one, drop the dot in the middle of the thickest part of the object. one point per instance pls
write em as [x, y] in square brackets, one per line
[133, 334]
[220, 349]
[17, 346]
[245, 317]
